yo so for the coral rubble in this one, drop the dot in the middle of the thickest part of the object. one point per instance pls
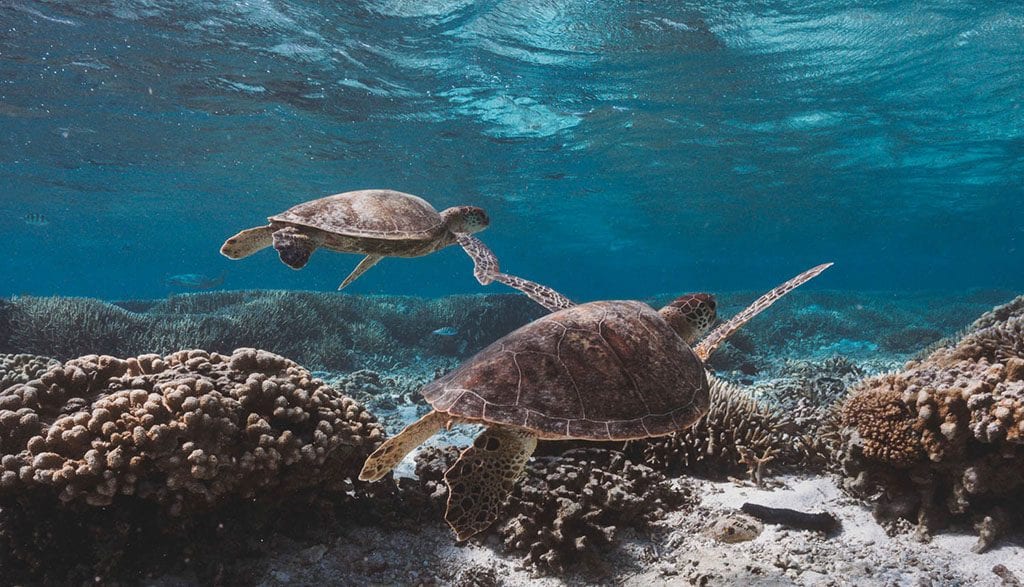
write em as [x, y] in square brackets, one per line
[944, 439]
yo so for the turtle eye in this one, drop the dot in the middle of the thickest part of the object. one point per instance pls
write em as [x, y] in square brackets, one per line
[489, 443]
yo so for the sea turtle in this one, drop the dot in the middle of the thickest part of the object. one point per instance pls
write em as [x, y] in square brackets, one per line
[375, 223]
[609, 370]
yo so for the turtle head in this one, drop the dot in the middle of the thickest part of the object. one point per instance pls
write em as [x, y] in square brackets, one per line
[465, 219]
[691, 316]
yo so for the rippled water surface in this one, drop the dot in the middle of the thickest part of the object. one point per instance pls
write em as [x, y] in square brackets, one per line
[621, 148]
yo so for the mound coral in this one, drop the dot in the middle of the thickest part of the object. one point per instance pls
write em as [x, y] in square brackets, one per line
[568, 507]
[737, 434]
[944, 439]
[187, 428]
[172, 436]
[22, 368]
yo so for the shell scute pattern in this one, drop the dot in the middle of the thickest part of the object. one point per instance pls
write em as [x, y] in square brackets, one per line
[385, 214]
[604, 370]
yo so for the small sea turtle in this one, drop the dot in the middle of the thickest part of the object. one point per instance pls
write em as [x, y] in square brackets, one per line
[612, 370]
[375, 223]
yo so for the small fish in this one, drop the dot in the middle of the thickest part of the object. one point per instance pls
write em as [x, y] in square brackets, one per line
[35, 219]
[446, 331]
[195, 280]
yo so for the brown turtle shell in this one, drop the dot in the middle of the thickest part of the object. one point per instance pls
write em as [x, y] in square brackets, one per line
[598, 371]
[381, 214]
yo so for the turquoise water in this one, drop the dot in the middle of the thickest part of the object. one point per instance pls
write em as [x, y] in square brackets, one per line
[621, 148]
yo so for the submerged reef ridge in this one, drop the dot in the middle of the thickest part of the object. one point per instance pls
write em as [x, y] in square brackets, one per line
[183, 430]
[318, 330]
[944, 439]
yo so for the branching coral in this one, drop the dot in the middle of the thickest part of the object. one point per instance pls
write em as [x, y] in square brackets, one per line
[944, 438]
[569, 507]
[737, 434]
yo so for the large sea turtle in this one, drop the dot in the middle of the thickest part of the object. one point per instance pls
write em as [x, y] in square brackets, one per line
[375, 223]
[610, 370]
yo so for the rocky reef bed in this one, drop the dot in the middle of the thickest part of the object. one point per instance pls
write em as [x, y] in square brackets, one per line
[124, 459]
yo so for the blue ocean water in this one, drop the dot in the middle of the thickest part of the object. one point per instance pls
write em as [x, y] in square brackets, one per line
[621, 148]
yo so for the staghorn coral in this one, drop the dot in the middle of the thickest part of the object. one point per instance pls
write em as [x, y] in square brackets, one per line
[944, 439]
[22, 368]
[737, 434]
[568, 508]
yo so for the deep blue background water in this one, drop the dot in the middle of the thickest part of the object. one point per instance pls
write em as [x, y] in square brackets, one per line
[621, 148]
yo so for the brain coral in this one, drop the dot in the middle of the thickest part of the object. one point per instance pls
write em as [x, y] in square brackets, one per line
[944, 439]
[183, 430]
[568, 507]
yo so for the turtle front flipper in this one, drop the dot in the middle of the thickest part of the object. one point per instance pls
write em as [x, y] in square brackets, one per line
[395, 448]
[485, 264]
[247, 242]
[294, 246]
[486, 270]
[542, 294]
[718, 335]
[367, 262]
[484, 476]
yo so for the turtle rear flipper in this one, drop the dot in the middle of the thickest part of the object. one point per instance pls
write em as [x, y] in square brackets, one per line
[484, 476]
[718, 335]
[486, 270]
[395, 448]
[247, 242]
[367, 262]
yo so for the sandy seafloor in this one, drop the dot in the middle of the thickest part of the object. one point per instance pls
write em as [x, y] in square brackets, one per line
[678, 549]
[678, 552]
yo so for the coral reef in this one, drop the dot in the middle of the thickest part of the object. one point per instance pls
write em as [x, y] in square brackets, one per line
[173, 436]
[568, 508]
[22, 368]
[807, 393]
[320, 330]
[944, 439]
[738, 434]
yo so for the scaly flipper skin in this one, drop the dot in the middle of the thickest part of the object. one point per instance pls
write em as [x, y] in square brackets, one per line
[247, 242]
[718, 335]
[395, 448]
[484, 476]
[542, 294]
[367, 262]
[486, 270]
[485, 264]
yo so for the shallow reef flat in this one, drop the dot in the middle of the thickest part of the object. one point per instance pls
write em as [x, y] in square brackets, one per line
[125, 457]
